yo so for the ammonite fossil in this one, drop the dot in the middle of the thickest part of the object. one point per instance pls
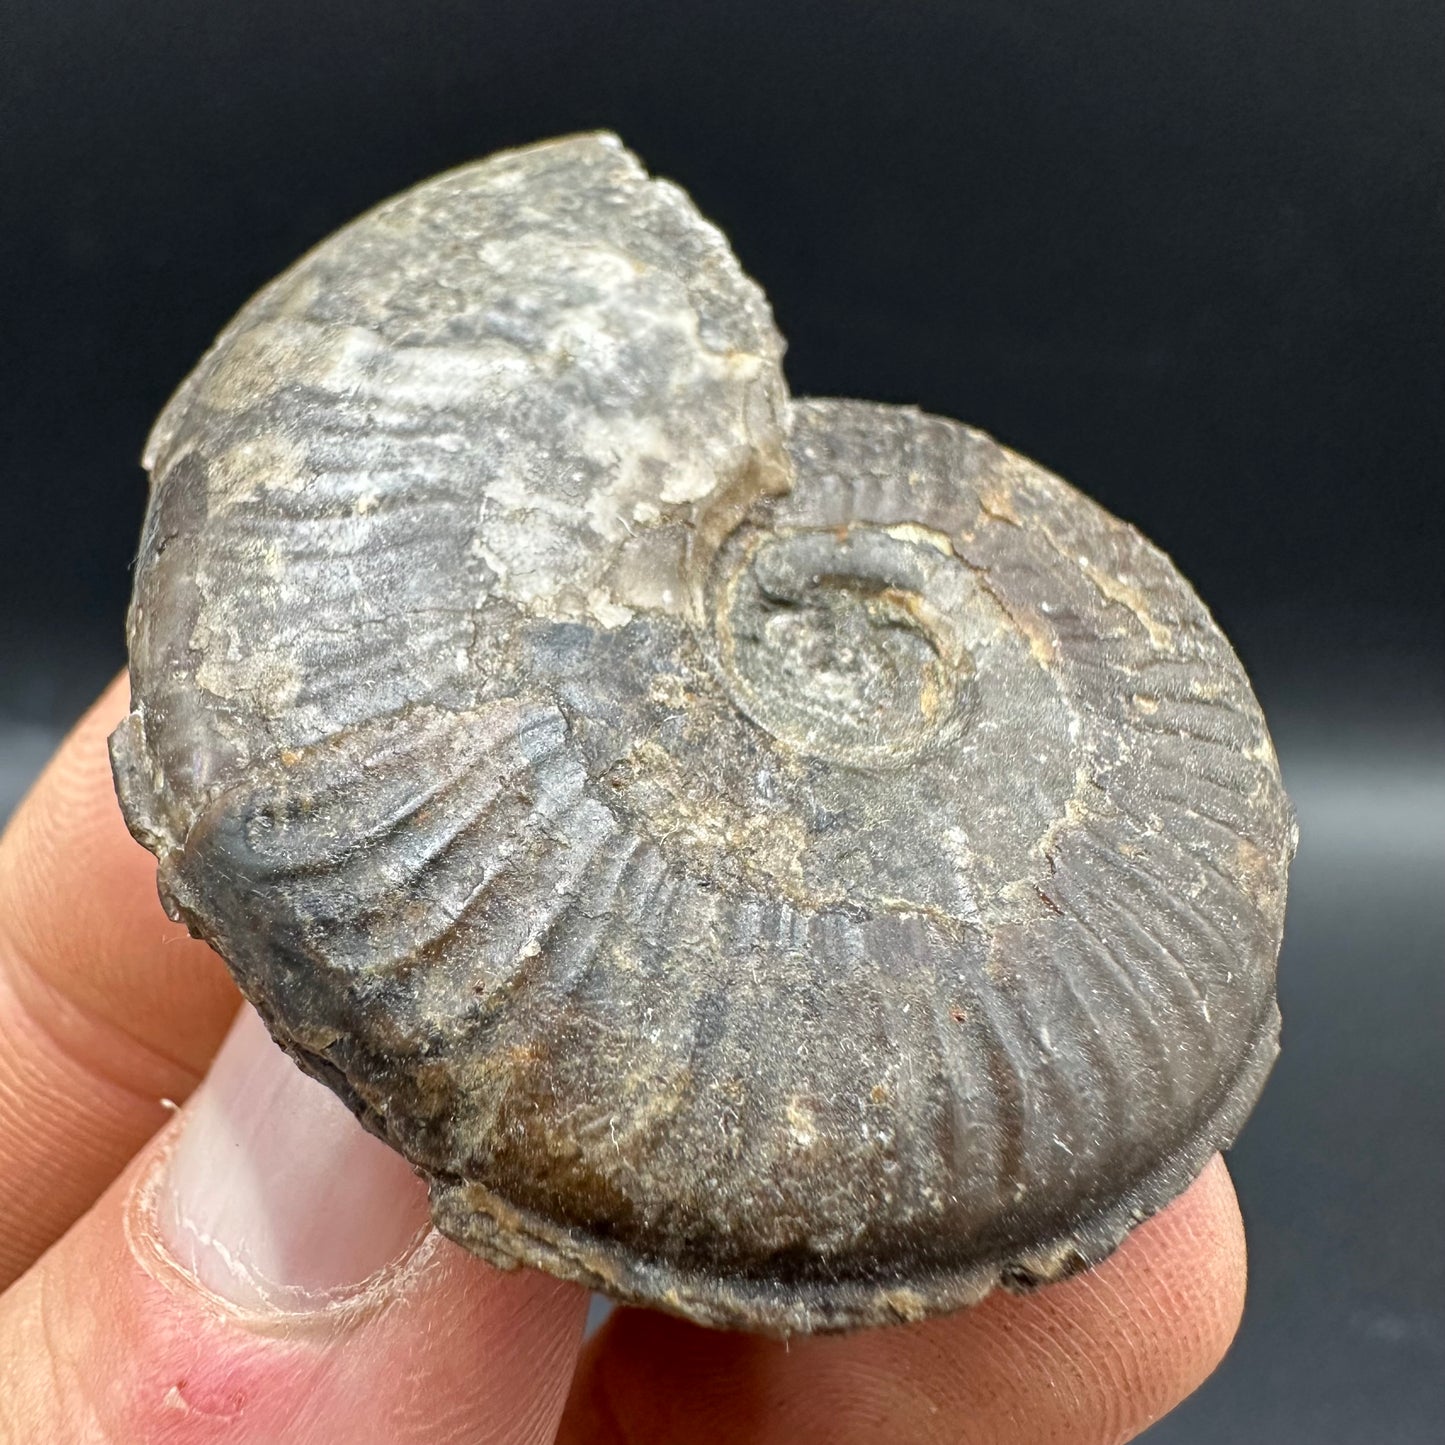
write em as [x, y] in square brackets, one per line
[794, 863]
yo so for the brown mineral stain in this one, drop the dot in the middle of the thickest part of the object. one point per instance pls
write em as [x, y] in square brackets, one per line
[1117, 590]
[1253, 867]
[996, 499]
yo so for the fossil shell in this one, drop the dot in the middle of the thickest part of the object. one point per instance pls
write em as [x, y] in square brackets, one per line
[794, 863]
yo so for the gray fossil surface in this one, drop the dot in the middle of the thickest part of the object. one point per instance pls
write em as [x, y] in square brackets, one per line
[794, 863]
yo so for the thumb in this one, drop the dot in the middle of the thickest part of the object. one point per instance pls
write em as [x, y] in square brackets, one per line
[264, 1271]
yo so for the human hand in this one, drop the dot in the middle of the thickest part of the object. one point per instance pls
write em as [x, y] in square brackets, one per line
[259, 1269]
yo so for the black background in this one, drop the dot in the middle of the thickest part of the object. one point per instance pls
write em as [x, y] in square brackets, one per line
[1186, 254]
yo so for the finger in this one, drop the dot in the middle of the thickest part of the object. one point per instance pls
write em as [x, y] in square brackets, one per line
[107, 1008]
[264, 1272]
[1095, 1359]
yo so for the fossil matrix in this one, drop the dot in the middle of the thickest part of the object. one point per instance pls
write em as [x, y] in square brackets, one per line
[794, 863]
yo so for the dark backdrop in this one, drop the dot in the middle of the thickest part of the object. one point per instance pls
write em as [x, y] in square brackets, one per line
[1187, 254]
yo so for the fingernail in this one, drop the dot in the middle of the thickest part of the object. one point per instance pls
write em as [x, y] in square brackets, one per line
[274, 1197]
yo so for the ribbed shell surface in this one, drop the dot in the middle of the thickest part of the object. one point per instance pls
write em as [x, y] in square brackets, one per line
[796, 863]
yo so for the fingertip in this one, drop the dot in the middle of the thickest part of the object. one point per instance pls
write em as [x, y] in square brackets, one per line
[81, 917]
[1122, 1344]
[1182, 1280]
[1094, 1359]
[108, 1009]
[117, 1330]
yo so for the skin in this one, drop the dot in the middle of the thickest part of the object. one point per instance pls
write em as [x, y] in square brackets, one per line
[107, 1009]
